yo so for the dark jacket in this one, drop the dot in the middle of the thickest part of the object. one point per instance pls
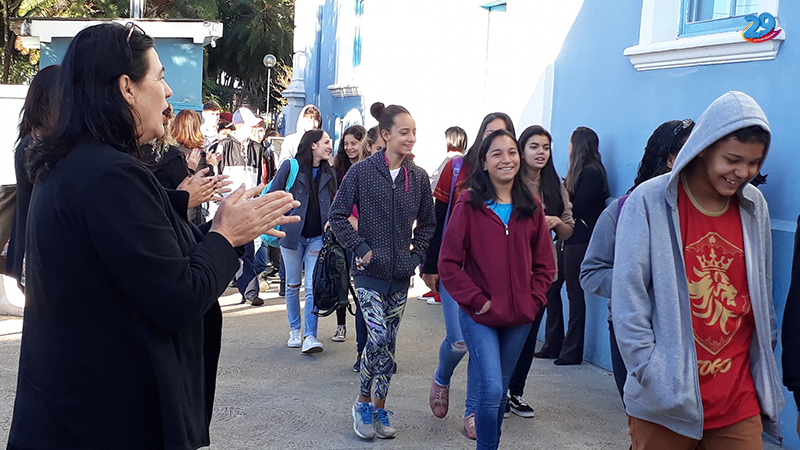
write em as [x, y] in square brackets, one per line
[170, 171]
[236, 154]
[122, 327]
[588, 202]
[387, 210]
[791, 326]
[301, 194]
[16, 243]
[482, 259]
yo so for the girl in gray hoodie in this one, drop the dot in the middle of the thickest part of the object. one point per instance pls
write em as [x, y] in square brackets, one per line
[691, 296]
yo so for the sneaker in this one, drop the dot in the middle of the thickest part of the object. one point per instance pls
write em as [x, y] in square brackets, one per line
[294, 339]
[469, 426]
[256, 301]
[425, 296]
[435, 300]
[507, 412]
[519, 407]
[380, 420]
[357, 365]
[439, 399]
[362, 420]
[312, 345]
[340, 335]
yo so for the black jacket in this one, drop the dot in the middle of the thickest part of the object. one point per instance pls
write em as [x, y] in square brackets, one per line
[791, 326]
[16, 244]
[387, 210]
[122, 327]
[170, 170]
[588, 202]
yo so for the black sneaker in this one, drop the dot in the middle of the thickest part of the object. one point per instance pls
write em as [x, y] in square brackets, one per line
[507, 412]
[519, 407]
[357, 365]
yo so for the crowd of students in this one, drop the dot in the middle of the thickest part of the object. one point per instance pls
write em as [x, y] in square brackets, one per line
[495, 236]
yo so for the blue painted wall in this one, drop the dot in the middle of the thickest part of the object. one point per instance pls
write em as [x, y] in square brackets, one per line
[321, 73]
[182, 59]
[597, 86]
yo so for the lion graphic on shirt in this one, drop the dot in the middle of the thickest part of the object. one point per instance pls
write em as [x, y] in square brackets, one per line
[714, 298]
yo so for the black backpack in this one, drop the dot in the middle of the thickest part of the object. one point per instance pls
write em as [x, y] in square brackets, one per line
[332, 278]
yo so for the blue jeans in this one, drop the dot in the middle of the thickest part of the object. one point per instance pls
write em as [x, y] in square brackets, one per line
[453, 350]
[495, 351]
[262, 255]
[306, 253]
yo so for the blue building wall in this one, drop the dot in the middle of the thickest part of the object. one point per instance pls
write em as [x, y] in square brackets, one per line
[182, 59]
[597, 86]
[321, 73]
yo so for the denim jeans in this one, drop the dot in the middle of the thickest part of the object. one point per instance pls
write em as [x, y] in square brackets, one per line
[262, 254]
[494, 351]
[451, 352]
[306, 253]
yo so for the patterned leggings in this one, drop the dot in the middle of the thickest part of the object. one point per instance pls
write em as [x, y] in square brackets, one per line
[382, 314]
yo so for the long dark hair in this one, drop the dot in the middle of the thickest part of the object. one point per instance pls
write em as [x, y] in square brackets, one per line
[665, 141]
[305, 159]
[88, 98]
[472, 157]
[36, 113]
[585, 154]
[549, 181]
[482, 190]
[341, 162]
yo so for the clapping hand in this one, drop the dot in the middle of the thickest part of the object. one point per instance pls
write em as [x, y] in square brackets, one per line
[245, 215]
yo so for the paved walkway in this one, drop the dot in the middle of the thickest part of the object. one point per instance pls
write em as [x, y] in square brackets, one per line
[273, 397]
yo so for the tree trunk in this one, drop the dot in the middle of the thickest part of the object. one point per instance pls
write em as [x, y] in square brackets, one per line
[9, 45]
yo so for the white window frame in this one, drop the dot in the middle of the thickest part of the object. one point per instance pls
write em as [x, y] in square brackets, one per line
[661, 47]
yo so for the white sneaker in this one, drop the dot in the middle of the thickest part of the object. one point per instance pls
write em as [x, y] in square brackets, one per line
[312, 345]
[294, 339]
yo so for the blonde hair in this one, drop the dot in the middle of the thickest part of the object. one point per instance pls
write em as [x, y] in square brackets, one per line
[186, 129]
[162, 144]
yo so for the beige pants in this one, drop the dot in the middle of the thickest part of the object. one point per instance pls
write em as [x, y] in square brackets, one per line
[744, 435]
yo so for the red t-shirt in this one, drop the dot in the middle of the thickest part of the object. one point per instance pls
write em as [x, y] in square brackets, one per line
[722, 318]
[442, 190]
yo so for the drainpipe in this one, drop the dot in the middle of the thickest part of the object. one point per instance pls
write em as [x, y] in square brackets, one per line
[137, 8]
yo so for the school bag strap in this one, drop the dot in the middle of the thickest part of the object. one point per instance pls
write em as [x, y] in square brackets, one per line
[457, 163]
[294, 169]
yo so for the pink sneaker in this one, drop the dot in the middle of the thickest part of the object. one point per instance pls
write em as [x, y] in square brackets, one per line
[439, 399]
[469, 425]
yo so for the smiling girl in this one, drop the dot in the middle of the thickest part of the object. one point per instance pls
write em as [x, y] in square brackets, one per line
[349, 148]
[497, 262]
[691, 296]
[391, 192]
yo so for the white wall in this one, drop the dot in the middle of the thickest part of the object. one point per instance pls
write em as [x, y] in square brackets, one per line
[432, 58]
[12, 97]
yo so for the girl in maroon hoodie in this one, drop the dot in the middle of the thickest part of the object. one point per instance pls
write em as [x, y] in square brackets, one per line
[497, 262]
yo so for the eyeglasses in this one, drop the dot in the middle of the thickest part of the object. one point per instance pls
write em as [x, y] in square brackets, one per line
[130, 26]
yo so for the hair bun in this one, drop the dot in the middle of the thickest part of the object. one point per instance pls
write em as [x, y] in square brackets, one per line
[377, 110]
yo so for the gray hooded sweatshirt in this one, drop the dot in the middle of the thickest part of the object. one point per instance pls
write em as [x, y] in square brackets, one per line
[651, 310]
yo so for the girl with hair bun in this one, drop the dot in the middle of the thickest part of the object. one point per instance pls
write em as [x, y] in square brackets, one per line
[391, 193]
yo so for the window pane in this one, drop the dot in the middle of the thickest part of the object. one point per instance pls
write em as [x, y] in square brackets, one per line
[710, 9]
[745, 7]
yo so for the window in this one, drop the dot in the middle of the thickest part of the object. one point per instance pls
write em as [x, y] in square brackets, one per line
[714, 16]
[685, 33]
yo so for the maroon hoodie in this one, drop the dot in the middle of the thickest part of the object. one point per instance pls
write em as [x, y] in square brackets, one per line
[510, 265]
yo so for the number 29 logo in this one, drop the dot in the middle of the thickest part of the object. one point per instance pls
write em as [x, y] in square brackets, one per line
[760, 28]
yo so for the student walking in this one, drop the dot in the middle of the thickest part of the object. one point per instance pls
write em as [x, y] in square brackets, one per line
[588, 190]
[791, 332]
[497, 261]
[314, 188]
[598, 265]
[692, 299]
[540, 177]
[390, 192]
[452, 182]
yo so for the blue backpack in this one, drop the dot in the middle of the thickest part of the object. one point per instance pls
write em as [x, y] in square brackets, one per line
[273, 241]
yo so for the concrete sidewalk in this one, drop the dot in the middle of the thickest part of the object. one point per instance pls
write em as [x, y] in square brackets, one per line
[272, 397]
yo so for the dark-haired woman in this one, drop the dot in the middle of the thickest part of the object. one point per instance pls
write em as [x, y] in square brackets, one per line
[542, 180]
[36, 117]
[453, 348]
[497, 263]
[314, 188]
[598, 265]
[587, 186]
[348, 153]
[391, 192]
[122, 325]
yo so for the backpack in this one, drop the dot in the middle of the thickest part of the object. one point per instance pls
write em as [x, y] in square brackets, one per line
[331, 279]
[273, 241]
